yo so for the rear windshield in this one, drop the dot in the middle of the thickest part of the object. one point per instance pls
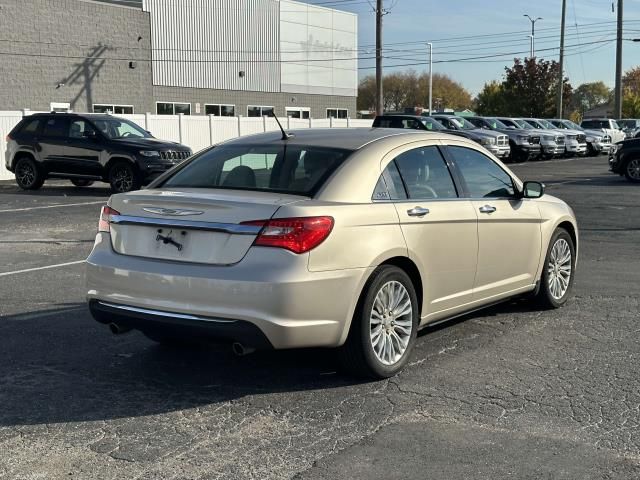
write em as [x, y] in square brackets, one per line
[293, 169]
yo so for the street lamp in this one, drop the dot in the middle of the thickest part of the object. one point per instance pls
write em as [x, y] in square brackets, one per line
[533, 32]
[430, 78]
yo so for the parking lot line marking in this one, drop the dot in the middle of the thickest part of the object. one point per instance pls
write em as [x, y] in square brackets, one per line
[26, 270]
[25, 209]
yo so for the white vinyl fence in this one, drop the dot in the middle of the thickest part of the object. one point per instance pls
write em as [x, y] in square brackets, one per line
[197, 132]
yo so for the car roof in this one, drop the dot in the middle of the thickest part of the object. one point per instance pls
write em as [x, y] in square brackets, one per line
[344, 138]
[94, 116]
[405, 115]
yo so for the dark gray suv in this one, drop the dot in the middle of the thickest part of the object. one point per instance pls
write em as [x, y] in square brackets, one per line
[85, 148]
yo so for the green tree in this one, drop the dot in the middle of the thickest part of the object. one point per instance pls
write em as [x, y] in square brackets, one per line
[589, 95]
[631, 104]
[367, 93]
[491, 100]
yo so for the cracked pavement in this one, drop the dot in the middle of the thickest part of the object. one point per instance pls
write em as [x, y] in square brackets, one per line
[510, 391]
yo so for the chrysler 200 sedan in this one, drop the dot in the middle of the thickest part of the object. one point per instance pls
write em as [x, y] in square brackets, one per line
[346, 238]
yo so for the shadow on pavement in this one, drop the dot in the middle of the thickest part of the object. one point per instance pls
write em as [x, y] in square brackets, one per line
[58, 190]
[60, 365]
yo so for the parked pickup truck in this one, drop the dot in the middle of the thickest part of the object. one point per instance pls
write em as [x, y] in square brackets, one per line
[630, 126]
[597, 141]
[606, 125]
[575, 140]
[496, 143]
[551, 143]
[524, 144]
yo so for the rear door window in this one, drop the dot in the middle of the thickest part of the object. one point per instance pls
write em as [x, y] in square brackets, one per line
[56, 127]
[294, 169]
[425, 174]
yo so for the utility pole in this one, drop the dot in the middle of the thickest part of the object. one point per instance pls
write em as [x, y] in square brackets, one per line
[561, 79]
[379, 94]
[430, 78]
[618, 89]
[533, 33]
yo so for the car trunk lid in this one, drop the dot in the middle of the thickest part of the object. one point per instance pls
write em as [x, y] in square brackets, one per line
[191, 225]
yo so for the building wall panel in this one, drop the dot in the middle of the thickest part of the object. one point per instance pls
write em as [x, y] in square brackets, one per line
[205, 44]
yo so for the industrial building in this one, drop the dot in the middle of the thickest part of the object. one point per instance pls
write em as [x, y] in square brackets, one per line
[196, 57]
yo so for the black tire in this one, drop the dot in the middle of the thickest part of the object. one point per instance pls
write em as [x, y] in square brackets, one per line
[545, 297]
[123, 177]
[632, 170]
[28, 175]
[81, 182]
[591, 152]
[357, 354]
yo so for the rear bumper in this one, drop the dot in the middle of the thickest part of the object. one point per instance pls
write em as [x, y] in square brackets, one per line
[180, 325]
[270, 290]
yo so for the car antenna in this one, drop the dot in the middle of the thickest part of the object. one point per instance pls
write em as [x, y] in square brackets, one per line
[285, 135]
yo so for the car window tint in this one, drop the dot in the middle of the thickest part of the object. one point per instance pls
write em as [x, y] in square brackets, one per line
[425, 174]
[78, 128]
[55, 127]
[30, 127]
[483, 177]
[389, 186]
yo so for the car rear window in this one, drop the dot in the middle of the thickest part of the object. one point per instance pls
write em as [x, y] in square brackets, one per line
[283, 168]
[30, 126]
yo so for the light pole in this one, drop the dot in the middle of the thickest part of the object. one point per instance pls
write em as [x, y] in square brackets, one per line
[430, 78]
[533, 32]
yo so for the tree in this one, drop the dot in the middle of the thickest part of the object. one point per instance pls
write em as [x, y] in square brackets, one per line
[530, 88]
[491, 100]
[589, 95]
[408, 89]
[367, 93]
[631, 104]
[631, 81]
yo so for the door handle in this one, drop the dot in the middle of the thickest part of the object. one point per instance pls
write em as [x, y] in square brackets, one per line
[417, 212]
[487, 209]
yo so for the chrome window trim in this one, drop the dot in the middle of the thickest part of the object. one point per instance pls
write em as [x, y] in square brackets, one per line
[160, 313]
[232, 228]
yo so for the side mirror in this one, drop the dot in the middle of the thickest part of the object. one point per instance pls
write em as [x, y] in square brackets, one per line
[532, 190]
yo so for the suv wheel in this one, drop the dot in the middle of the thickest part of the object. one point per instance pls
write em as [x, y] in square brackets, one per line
[632, 170]
[558, 270]
[28, 175]
[385, 325]
[123, 177]
[80, 182]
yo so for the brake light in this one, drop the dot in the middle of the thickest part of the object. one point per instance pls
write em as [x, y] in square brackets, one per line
[298, 235]
[105, 218]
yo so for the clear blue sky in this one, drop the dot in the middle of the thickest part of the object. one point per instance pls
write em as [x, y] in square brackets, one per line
[506, 32]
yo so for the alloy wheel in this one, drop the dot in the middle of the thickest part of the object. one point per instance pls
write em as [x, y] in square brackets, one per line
[391, 322]
[559, 269]
[633, 169]
[122, 179]
[26, 173]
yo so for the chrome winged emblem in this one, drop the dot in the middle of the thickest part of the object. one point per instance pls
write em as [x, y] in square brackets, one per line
[172, 212]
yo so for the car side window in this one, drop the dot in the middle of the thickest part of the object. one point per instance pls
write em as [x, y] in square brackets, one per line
[389, 186]
[425, 174]
[483, 177]
[30, 127]
[55, 127]
[79, 129]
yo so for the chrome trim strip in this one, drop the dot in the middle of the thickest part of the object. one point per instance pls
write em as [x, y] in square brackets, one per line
[232, 228]
[159, 313]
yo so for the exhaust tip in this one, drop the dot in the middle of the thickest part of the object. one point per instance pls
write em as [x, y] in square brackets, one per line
[118, 329]
[241, 350]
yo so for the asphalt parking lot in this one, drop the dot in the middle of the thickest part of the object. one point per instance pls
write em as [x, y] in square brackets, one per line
[508, 392]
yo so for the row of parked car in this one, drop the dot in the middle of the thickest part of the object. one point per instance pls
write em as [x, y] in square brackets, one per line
[519, 139]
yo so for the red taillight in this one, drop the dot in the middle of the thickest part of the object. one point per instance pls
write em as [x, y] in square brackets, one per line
[105, 218]
[8, 138]
[298, 235]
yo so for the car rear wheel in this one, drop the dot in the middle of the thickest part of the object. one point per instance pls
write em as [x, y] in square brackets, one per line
[80, 182]
[632, 170]
[384, 327]
[28, 175]
[123, 177]
[558, 271]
